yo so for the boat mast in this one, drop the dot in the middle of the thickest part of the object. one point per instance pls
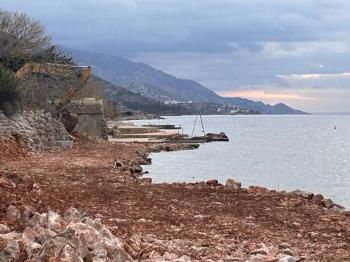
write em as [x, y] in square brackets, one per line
[194, 126]
[202, 124]
[195, 123]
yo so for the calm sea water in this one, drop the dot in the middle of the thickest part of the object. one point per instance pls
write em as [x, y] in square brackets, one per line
[310, 153]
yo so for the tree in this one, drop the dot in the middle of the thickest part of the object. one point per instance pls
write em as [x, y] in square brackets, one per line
[23, 39]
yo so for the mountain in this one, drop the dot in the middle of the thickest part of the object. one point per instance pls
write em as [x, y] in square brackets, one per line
[159, 86]
[130, 101]
[144, 79]
[279, 108]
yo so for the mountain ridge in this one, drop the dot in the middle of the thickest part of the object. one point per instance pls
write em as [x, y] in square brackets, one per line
[157, 85]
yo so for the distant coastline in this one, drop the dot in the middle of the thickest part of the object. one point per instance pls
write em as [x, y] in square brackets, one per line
[331, 113]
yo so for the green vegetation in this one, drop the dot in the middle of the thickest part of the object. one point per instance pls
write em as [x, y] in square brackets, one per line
[9, 95]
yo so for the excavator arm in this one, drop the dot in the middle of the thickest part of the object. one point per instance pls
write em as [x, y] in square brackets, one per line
[81, 72]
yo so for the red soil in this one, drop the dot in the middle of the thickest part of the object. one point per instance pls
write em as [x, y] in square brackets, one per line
[186, 219]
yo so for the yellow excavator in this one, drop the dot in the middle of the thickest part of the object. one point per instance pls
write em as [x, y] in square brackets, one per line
[82, 73]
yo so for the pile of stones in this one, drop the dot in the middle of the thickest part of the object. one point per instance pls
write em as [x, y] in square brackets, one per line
[51, 237]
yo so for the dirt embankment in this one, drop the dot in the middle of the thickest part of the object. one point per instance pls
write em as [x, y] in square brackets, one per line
[11, 149]
[168, 221]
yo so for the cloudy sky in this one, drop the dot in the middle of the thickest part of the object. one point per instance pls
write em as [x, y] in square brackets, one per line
[293, 51]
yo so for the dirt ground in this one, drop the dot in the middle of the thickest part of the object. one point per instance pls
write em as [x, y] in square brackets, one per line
[196, 220]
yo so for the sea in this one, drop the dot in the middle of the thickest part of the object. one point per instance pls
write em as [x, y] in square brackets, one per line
[282, 152]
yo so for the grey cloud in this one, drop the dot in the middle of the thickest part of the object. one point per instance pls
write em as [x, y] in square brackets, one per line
[225, 45]
[126, 26]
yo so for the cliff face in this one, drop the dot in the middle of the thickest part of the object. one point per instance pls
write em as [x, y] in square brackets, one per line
[154, 84]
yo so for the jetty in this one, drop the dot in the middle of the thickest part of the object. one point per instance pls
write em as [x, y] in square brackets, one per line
[165, 126]
[129, 133]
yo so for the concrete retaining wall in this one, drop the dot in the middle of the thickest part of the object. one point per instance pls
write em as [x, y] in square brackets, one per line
[91, 119]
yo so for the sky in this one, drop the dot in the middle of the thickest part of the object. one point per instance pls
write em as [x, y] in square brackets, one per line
[291, 51]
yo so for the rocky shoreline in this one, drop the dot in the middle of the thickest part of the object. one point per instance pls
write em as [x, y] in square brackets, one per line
[203, 221]
[317, 199]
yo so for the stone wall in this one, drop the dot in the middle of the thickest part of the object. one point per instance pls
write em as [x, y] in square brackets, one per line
[6, 127]
[17, 127]
[51, 131]
[38, 129]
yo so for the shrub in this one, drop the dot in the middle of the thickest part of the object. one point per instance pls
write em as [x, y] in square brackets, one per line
[9, 95]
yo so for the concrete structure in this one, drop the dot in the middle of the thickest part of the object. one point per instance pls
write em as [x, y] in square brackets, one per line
[90, 116]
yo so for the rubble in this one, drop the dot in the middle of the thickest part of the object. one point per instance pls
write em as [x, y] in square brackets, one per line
[163, 222]
[74, 237]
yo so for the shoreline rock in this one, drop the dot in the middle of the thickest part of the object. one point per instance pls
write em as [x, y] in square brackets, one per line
[316, 199]
[233, 183]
